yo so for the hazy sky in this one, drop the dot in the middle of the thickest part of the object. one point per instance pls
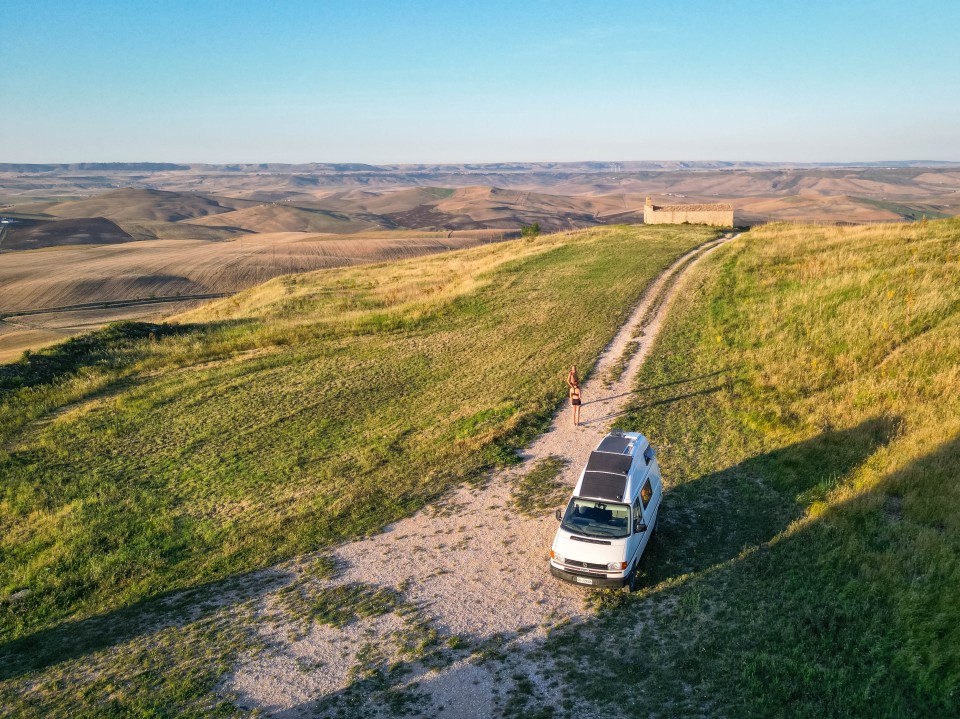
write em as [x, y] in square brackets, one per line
[377, 81]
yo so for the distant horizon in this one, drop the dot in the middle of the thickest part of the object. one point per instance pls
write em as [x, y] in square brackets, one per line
[459, 163]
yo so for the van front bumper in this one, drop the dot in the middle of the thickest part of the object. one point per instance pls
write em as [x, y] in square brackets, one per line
[587, 580]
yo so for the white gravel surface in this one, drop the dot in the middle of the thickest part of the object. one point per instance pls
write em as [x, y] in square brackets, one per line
[471, 569]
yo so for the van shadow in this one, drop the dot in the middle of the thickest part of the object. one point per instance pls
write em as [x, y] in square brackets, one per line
[73, 639]
[713, 518]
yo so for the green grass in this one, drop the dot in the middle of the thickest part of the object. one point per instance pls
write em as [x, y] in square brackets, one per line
[616, 370]
[146, 460]
[539, 489]
[805, 401]
[907, 212]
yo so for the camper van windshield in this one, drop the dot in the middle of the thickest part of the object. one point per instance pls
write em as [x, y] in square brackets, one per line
[591, 518]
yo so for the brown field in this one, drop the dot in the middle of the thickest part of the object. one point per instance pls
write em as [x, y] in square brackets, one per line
[35, 234]
[287, 218]
[133, 204]
[174, 268]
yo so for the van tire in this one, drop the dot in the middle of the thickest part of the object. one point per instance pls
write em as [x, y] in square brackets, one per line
[630, 585]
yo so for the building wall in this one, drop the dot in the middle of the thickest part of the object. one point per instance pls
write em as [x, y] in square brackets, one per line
[720, 218]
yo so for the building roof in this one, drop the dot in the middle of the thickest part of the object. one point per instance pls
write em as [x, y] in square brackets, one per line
[718, 207]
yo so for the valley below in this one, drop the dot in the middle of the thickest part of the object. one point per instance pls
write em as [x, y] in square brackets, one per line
[157, 236]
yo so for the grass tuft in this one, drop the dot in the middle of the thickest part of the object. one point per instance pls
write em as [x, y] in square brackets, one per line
[539, 490]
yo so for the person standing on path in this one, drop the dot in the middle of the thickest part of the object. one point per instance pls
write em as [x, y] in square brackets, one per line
[575, 403]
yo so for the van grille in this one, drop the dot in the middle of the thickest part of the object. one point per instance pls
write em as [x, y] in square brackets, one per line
[585, 565]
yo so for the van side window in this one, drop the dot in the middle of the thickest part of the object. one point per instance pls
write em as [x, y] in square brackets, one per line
[648, 454]
[646, 494]
[637, 512]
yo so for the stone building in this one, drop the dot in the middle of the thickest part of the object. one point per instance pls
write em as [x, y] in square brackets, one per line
[720, 214]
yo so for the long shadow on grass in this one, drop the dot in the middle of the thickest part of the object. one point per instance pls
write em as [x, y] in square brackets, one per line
[179, 608]
[711, 519]
[650, 388]
[643, 405]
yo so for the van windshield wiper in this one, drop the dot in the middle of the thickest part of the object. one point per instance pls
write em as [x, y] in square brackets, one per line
[574, 531]
[591, 534]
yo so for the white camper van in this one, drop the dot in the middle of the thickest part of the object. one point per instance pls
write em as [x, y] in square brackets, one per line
[611, 516]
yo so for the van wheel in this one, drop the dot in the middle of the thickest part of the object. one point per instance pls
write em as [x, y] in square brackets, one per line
[630, 585]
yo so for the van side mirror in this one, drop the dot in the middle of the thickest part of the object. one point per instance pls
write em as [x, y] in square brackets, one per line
[558, 515]
[639, 527]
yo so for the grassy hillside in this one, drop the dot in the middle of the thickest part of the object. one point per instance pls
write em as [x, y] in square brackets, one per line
[143, 459]
[806, 402]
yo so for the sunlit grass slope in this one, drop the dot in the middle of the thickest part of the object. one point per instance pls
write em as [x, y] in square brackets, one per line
[306, 411]
[806, 400]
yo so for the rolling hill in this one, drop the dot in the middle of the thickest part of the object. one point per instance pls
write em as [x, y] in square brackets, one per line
[141, 270]
[286, 218]
[134, 204]
[243, 434]
[37, 234]
[382, 190]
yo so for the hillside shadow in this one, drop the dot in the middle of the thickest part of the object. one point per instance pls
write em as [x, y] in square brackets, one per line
[178, 608]
[711, 519]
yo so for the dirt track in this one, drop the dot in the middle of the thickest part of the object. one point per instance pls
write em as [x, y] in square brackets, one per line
[473, 570]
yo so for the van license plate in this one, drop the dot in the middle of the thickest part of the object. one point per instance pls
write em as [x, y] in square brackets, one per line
[584, 580]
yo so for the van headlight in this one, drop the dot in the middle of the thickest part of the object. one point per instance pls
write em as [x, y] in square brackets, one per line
[557, 557]
[617, 566]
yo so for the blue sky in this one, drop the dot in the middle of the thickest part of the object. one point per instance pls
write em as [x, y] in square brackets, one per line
[381, 82]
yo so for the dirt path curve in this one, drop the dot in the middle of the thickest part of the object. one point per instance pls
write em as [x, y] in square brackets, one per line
[473, 571]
